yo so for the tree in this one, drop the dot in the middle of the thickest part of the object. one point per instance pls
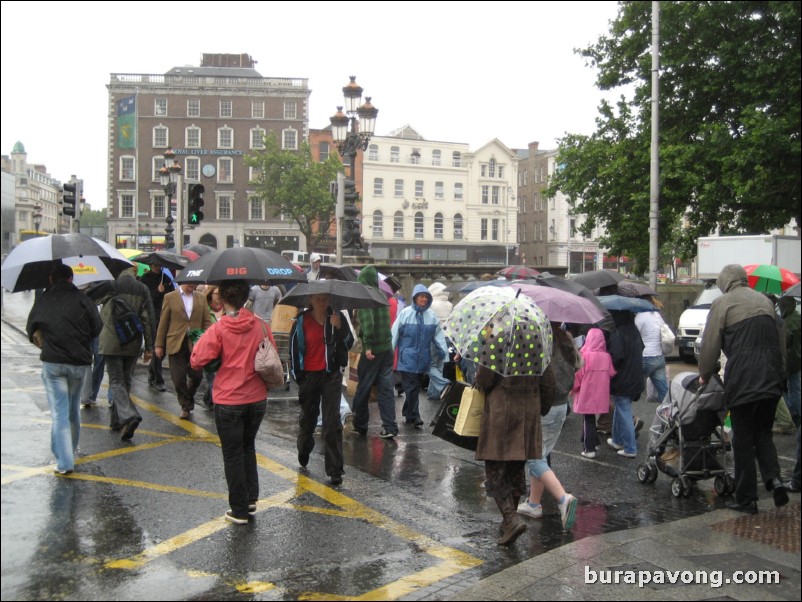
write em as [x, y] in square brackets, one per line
[290, 182]
[729, 125]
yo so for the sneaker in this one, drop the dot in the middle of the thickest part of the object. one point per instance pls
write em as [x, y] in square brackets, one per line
[590, 455]
[233, 519]
[568, 511]
[638, 426]
[531, 510]
[614, 445]
[625, 454]
[252, 508]
[387, 435]
[129, 428]
[62, 472]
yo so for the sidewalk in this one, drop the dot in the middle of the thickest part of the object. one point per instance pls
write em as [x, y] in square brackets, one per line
[713, 546]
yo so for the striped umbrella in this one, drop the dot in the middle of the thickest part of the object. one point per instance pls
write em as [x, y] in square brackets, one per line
[767, 278]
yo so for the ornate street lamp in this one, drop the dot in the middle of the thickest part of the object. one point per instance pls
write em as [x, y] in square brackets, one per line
[37, 218]
[168, 176]
[351, 132]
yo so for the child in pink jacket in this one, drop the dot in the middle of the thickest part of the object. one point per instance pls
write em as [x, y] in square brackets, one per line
[592, 388]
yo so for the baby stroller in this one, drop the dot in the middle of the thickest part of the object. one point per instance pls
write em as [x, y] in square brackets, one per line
[686, 439]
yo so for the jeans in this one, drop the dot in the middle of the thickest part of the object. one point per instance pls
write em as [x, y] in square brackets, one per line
[92, 384]
[315, 388]
[623, 427]
[63, 385]
[378, 371]
[437, 382]
[792, 397]
[550, 425]
[237, 426]
[654, 368]
[121, 371]
[752, 440]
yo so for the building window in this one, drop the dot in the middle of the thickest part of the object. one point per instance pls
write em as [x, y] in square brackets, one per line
[495, 194]
[485, 194]
[254, 173]
[458, 193]
[160, 138]
[225, 138]
[399, 188]
[439, 191]
[290, 109]
[572, 228]
[323, 151]
[494, 230]
[378, 186]
[257, 209]
[192, 168]
[126, 206]
[378, 219]
[438, 225]
[398, 225]
[224, 207]
[226, 108]
[257, 109]
[419, 225]
[193, 137]
[257, 138]
[419, 188]
[224, 171]
[458, 226]
[436, 157]
[157, 163]
[394, 154]
[373, 152]
[491, 169]
[483, 229]
[127, 168]
[414, 157]
[456, 159]
[289, 139]
[193, 107]
[160, 107]
[159, 206]
[501, 172]
[483, 170]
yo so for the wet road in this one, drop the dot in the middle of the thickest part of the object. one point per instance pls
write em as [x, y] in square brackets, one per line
[143, 520]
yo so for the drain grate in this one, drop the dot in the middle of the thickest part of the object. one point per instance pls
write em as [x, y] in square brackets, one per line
[778, 528]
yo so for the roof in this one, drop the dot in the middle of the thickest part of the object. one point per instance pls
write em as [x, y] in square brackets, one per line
[215, 71]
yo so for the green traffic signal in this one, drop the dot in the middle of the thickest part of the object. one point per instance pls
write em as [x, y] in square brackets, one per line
[195, 215]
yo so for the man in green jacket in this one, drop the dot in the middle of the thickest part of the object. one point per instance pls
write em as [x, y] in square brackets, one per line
[375, 364]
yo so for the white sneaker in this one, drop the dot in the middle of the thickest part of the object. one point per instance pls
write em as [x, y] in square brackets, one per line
[626, 454]
[568, 511]
[613, 444]
[590, 455]
[530, 510]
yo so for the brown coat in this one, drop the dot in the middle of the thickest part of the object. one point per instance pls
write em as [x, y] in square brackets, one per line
[511, 421]
[174, 324]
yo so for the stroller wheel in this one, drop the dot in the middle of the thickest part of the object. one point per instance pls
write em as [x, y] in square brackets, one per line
[652, 473]
[687, 486]
[643, 473]
[676, 487]
[720, 485]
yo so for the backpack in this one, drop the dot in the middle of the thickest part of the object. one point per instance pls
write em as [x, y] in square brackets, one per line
[126, 320]
[267, 362]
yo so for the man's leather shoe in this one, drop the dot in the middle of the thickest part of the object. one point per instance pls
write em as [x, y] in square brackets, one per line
[747, 507]
[129, 428]
[779, 492]
[303, 459]
[791, 487]
[336, 479]
[185, 414]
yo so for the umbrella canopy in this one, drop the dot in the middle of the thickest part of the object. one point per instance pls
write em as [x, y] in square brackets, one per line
[469, 287]
[599, 278]
[333, 271]
[343, 294]
[627, 288]
[560, 306]
[164, 259]
[29, 264]
[256, 266]
[130, 253]
[515, 272]
[391, 281]
[619, 303]
[199, 249]
[767, 278]
[792, 291]
[502, 330]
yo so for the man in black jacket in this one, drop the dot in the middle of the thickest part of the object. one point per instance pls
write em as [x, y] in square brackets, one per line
[65, 321]
[159, 285]
[742, 324]
[626, 351]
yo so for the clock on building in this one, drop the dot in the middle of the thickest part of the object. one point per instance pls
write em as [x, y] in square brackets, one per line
[209, 170]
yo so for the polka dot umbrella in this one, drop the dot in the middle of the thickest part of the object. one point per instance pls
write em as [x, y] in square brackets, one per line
[502, 330]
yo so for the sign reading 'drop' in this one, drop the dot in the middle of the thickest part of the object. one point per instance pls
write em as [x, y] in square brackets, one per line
[279, 271]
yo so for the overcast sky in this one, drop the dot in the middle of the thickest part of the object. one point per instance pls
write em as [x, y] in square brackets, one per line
[456, 72]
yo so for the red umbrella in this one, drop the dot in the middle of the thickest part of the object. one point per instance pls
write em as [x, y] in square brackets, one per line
[515, 272]
[191, 255]
[770, 278]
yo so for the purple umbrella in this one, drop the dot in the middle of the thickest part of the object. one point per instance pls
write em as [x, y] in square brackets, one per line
[561, 306]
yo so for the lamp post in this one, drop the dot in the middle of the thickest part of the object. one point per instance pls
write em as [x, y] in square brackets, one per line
[37, 218]
[169, 176]
[351, 132]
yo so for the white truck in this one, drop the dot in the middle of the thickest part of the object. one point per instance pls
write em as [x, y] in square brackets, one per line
[713, 253]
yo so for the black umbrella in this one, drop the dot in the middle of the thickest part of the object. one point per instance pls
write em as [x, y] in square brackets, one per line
[29, 264]
[627, 288]
[333, 271]
[342, 295]
[599, 278]
[199, 248]
[171, 261]
[256, 266]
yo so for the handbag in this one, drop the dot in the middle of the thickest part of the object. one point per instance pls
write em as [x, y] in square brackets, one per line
[667, 339]
[469, 417]
[447, 414]
[267, 362]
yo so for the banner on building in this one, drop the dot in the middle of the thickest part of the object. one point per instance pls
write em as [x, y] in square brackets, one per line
[126, 122]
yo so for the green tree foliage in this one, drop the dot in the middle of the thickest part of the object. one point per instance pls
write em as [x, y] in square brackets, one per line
[729, 99]
[293, 184]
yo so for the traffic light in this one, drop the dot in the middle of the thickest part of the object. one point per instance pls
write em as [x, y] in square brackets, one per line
[195, 213]
[70, 197]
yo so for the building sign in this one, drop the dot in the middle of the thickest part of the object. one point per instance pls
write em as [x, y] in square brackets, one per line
[266, 232]
[202, 151]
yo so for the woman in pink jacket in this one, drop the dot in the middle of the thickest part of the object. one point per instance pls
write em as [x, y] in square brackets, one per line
[240, 394]
[592, 388]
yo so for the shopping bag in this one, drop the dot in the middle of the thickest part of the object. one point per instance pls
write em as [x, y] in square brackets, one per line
[446, 416]
[469, 417]
[667, 339]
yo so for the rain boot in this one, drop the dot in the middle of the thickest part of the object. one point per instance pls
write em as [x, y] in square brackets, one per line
[512, 526]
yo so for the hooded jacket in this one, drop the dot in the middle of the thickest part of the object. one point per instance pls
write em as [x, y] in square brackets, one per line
[626, 351]
[415, 332]
[138, 297]
[374, 324]
[337, 342]
[592, 381]
[234, 339]
[741, 323]
[441, 306]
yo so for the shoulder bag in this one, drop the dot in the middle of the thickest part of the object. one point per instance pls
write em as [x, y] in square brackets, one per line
[267, 362]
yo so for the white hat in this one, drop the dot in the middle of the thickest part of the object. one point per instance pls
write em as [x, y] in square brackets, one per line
[314, 257]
